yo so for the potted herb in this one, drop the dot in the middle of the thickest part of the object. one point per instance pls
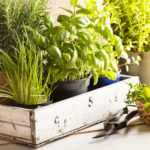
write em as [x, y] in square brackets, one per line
[78, 48]
[25, 77]
[106, 39]
[106, 81]
[140, 94]
[14, 16]
[130, 20]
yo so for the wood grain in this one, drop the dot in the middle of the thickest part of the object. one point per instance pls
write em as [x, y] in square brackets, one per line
[15, 115]
[75, 113]
[40, 126]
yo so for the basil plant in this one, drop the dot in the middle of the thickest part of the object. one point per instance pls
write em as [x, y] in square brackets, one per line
[81, 45]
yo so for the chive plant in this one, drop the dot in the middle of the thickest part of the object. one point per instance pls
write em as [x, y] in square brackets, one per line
[25, 77]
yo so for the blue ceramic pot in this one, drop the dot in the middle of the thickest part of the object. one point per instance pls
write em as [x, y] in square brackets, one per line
[106, 81]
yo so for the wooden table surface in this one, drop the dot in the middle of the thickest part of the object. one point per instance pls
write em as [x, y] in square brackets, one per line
[134, 137]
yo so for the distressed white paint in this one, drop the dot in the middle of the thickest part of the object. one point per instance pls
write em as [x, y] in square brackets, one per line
[73, 113]
[15, 123]
[15, 130]
[60, 119]
[14, 115]
[130, 138]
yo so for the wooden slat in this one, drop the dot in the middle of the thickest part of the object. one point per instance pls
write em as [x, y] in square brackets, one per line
[15, 115]
[15, 124]
[40, 126]
[15, 130]
[14, 139]
[58, 119]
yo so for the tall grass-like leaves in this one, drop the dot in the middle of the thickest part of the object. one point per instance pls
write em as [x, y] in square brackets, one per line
[14, 15]
[24, 74]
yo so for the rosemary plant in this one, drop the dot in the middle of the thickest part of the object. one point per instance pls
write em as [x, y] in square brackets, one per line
[14, 15]
[24, 74]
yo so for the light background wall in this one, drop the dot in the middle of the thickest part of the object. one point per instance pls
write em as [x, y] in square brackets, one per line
[53, 6]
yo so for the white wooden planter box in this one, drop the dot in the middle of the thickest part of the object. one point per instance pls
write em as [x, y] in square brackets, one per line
[39, 126]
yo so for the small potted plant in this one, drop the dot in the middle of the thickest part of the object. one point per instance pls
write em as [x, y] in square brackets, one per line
[77, 49]
[14, 16]
[140, 94]
[25, 76]
[106, 39]
[130, 20]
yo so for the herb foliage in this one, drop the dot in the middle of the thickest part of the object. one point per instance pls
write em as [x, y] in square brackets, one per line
[82, 44]
[130, 20]
[25, 75]
[139, 92]
[14, 15]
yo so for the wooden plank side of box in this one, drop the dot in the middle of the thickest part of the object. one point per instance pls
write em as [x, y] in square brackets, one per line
[62, 118]
[15, 124]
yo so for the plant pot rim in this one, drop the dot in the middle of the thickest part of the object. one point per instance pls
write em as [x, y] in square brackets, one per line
[86, 78]
[33, 106]
[69, 89]
[104, 76]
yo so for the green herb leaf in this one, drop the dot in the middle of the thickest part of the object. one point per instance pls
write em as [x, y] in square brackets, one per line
[39, 39]
[62, 35]
[62, 18]
[146, 93]
[146, 106]
[54, 51]
[105, 57]
[95, 76]
[111, 75]
[66, 57]
[81, 21]
[67, 10]
[118, 46]
[74, 2]
[48, 20]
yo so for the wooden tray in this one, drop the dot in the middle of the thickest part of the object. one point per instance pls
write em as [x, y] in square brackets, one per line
[37, 127]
